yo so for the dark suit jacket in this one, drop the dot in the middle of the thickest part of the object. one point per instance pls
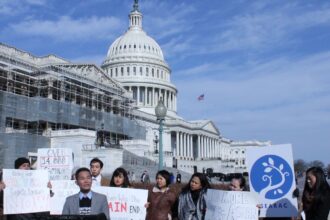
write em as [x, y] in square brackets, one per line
[99, 205]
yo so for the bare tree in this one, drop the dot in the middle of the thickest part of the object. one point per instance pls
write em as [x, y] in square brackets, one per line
[300, 166]
[316, 163]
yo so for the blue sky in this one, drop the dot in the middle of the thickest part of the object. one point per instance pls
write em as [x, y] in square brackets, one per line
[263, 66]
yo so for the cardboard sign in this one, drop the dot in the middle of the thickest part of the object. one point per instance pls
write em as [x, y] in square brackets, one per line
[26, 191]
[272, 178]
[125, 203]
[61, 189]
[58, 162]
[230, 205]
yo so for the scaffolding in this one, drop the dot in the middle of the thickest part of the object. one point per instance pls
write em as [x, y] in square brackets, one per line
[35, 99]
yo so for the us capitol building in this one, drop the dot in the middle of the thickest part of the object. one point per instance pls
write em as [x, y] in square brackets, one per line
[105, 111]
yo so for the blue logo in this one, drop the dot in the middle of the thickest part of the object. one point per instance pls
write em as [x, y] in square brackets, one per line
[271, 176]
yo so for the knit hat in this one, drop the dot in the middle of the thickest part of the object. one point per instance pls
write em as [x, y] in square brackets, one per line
[20, 161]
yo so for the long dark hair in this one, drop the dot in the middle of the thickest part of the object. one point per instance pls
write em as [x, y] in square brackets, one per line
[204, 182]
[116, 173]
[313, 197]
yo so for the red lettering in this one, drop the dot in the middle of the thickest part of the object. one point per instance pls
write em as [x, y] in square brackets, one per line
[117, 207]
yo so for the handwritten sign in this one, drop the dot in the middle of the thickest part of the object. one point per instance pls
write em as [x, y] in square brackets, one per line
[61, 189]
[272, 179]
[125, 203]
[58, 162]
[26, 191]
[230, 205]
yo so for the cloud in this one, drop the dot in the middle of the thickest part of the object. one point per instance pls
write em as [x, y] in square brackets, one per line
[285, 100]
[69, 29]
[175, 22]
[256, 29]
[15, 7]
[268, 85]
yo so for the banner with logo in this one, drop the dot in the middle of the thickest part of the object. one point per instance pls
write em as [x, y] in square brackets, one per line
[125, 203]
[58, 162]
[230, 205]
[26, 191]
[272, 178]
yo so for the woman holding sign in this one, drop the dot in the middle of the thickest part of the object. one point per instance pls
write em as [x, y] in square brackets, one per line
[192, 204]
[316, 195]
[161, 198]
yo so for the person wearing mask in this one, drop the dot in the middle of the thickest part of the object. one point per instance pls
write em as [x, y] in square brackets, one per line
[96, 166]
[120, 178]
[316, 195]
[160, 198]
[86, 202]
[192, 204]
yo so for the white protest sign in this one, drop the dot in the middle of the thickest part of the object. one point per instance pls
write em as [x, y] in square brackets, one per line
[26, 191]
[58, 162]
[230, 205]
[61, 189]
[272, 178]
[125, 203]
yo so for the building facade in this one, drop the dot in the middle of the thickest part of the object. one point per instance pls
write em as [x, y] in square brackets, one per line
[49, 101]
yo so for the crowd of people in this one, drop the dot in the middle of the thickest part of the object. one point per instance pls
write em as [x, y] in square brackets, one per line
[164, 203]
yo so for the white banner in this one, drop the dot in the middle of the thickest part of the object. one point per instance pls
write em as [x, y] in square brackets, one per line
[230, 205]
[26, 191]
[272, 178]
[61, 189]
[58, 162]
[125, 203]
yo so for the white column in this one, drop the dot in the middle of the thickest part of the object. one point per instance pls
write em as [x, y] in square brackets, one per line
[177, 144]
[181, 145]
[165, 98]
[171, 100]
[211, 148]
[208, 147]
[213, 145]
[145, 95]
[203, 146]
[138, 95]
[198, 146]
[191, 146]
[152, 101]
[184, 146]
[175, 103]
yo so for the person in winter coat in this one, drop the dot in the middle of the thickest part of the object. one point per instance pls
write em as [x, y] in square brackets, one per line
[192, 204]
[160, 198]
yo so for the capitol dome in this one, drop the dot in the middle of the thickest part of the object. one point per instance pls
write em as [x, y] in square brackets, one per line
[137, 62]
[135, 43]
